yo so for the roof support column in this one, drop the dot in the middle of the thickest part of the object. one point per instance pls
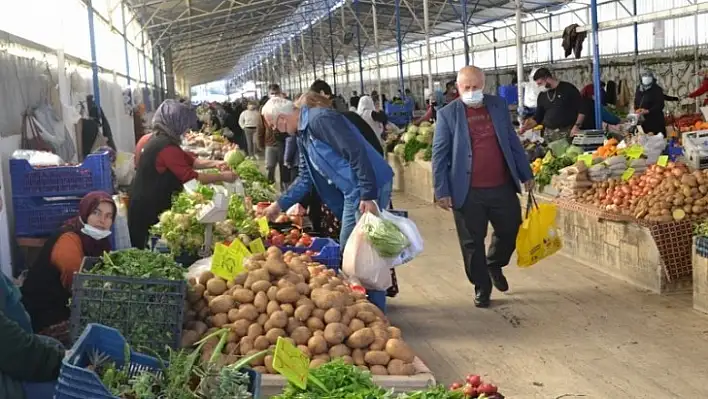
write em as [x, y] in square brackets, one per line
[94, 63]
[125, 51]
[312, 49]
[399, 44]
[169, 73]
[519, 60]
[331, 46]
[428, 57]
[463, 3]
[358, 44]
[376, 48]
[596, 65]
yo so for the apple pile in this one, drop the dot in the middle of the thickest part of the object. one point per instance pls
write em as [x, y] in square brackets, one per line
[474, 387]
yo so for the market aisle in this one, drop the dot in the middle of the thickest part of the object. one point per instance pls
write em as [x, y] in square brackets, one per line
[563, 328]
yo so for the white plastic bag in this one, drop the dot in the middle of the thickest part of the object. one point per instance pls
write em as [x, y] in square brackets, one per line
[125, 168]
[410, 230]
[361, 260]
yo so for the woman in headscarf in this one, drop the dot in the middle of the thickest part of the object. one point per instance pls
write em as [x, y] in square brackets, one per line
[164, 168]
[47, 288]
[377, 120]
[649, 102]
[587, 108]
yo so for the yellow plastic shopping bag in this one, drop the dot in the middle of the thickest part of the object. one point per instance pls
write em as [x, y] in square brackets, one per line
[538, 235]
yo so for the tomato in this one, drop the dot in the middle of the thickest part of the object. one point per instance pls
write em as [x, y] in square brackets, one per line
[455, 386]
[278, 240]
[473, 380]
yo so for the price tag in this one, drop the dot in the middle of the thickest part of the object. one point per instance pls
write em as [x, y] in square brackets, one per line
[291, 363]
[257, 246]
[226, 262]
[238, 246]
[263, 227]
[663, 160]
[628, 174]
[634, 152]
[587, 158]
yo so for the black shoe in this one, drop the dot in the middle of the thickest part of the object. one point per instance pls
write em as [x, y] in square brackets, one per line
[482, 296]
[498, 279]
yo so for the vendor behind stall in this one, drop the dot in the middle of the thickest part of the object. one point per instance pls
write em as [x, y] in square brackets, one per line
[47, 288]
[29, 363]
[557, 107]
[649, 102]
[587, 109]
[163, 169]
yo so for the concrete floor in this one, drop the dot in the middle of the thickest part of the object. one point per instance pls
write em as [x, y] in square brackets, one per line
[564, 330]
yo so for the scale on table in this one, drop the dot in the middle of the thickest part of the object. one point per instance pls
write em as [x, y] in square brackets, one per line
[633, 121]
[589, 140]
[213, 212]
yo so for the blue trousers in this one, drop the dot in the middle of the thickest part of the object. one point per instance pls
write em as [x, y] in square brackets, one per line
[351, 213]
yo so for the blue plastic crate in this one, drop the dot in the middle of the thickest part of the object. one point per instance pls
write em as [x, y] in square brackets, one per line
[330, 254]
[119, 301]
[37, 217]
[94, 174]
[378, 298]
[77, 382]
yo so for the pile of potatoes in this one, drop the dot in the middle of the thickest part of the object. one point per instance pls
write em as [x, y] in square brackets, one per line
[288, 295]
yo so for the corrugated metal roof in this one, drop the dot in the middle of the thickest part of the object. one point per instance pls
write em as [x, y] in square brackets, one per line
[214, 39]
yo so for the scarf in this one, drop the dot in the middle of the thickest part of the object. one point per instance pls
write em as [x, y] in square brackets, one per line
[88, 204]
[364, 109]
[174, 119]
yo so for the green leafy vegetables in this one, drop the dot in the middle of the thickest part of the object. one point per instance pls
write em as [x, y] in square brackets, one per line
[385, 236]
[183, 376]
[127, 290]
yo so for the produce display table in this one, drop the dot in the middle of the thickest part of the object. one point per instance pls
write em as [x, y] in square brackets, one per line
[414, 178]
[700, 274]
[653, 256]
[273, 384]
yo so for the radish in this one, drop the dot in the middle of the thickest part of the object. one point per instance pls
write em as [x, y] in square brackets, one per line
[487, 388]
[469, 391]
[474, 380]
[455, 386]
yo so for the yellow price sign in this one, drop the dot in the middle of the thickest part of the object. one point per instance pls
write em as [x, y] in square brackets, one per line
[291, 363]
[257, 246]
[263, 227]
[238, 246]
[663, 160]
[586, 158]
[634, 152]
[628, 174]
[226, 263]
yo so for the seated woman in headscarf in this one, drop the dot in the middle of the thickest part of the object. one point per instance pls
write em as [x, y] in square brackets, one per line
[47, 288]
[29, 363]
[163, 169]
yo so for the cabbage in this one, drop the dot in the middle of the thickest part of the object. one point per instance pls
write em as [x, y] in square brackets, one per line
[234, 158]
[425, 124]
[425, 139]
[408, 136]
[399, 149]
[412, 129]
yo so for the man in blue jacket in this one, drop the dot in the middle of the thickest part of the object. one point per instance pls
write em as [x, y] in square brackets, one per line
[478, 164]
[347, 172]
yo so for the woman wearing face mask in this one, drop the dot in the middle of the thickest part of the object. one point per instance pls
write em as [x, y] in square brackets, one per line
[164, 168]
[47, 288]
[649, 102]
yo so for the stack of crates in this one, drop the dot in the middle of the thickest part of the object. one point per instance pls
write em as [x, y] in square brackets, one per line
[45, 197]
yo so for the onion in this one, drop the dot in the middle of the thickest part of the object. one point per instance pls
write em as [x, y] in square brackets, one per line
[678, 172]
[626, 189]
[668, 173]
